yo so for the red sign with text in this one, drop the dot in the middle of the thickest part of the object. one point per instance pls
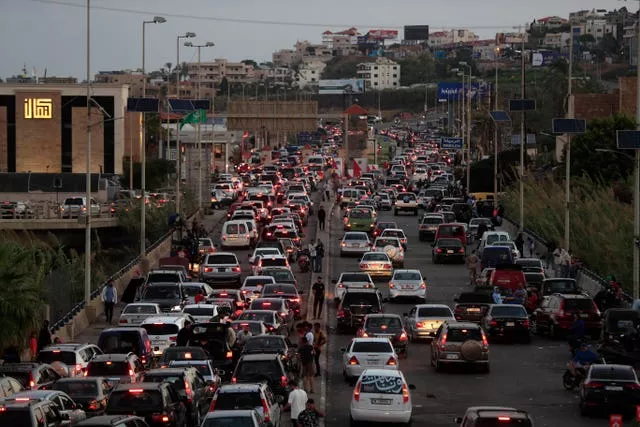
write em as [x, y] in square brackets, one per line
[615, 420]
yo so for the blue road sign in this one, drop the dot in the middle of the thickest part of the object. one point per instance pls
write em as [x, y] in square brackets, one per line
[628, 139]
[451, 143]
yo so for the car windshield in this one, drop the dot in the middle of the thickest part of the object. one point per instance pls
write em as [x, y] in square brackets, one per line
[450, 230]
[355, 236]
[162, 292]
[177, 353]
[492, 238]
[74, 202]
[280, 275]
[257, 369]
[603, 373]
[434, 312]
[162, 277]
[221, 259]
[529, 262]
[77, 388]
[432, 220]
[354, 277]
[388, 242]
[360, 213]
[202, 367]
[407, 275]
[360, 298]
[278, 291]
[264, 343]
[383, 324]
[581, 304]
[273, 262]
[380, 384]
[514, 311]
[495, 422]
[238, 400]
[449, 242]
[134, 400]
[107, 369]
[371, 347]
[275, 304]
[463, 334]
[379, 256]
[161, 328]
[266, 317]
[560, 286]
[119, 341]
[258, 282]
[157, 377]
[393, 233]
[50, 356]
[139, 309]
[199, 311]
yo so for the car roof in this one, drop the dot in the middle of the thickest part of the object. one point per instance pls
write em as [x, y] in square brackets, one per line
[432, 306]
[239, 388]
[144, 386]
[117, 357]
[355, 233]
[254, 357]
[370, 339]
[232, 413]
[382, 372]
[36, 394]
[406, 270]
[200, 306]
[573, 296]
[505, 305]
[361, 291]
[66, 346]
[382, 315]
[163, 371]
[164, 319]
[463, 325]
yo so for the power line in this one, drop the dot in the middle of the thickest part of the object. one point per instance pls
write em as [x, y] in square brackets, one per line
[255, 21]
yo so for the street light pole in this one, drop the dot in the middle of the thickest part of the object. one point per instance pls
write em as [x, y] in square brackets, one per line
[178, 151]
[87, 231]
[495, 140]
[143, 145]
[636, 198]
[522, 140]
[567, 157]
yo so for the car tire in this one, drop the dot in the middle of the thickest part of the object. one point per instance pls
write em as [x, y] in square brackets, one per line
[585, 411]
[352, 422]
[437, 365]
[435, 260]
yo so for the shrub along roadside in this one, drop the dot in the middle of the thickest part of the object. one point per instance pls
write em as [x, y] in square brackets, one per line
[601, 228]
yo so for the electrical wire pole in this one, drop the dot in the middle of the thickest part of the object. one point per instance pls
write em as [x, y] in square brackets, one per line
[87, 230]
[567, 156]
[522, 139]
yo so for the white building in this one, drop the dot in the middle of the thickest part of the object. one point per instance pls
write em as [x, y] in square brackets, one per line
[342, 43]
[379, 75]
[598, 28]
[556, 40]
[452, 36]
[309, 73]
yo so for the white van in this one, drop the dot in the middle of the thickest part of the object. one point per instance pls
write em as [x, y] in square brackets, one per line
[235, 233]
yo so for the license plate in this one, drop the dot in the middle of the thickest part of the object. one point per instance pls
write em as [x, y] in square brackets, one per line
[449, 251]
[157, 342]
[222, 270]
[372, 362]
[352, 245]
[473, 310]
[452, 357]
[407, 287]
[377, 266]
[511, 324]
[613, 388]
[381, 401]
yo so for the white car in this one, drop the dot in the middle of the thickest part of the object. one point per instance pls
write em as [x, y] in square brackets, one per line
[407, 283]
[354, 243]
[269, 261]
[392, 247]
[351, 280]
[423, 320]
[163, 331]
[363, 353]
[490, 237]
[252, 286]
[136, 313]
[420, 174]
[376, 264]
[381, 395]
[202, 313]
[396, 232]
[511, 245]
[264, 251]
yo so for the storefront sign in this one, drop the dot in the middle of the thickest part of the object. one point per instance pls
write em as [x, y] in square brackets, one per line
[38, 108]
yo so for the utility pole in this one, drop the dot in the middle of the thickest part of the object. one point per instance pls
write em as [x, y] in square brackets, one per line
[469, 132]
[495, 139]
[636, 199]
[87, 230]
[198, 141]
[567, 159]
[522, 138]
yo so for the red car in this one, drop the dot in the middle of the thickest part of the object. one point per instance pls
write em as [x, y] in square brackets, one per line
[556, 314]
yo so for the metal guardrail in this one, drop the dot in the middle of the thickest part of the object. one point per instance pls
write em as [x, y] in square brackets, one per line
[40, 210]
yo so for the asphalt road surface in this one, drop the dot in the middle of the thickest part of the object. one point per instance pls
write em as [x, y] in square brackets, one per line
[524, 376]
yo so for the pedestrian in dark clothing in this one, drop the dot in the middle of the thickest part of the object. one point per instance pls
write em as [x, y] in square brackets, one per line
[319, 256]
[305, 353]
[184, 335]
[318, 290]
[44, 337]
[319, 340]
[109, 298]
[322, 214]
[520, 244]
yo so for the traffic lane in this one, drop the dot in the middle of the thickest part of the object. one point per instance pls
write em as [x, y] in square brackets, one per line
[524, 376]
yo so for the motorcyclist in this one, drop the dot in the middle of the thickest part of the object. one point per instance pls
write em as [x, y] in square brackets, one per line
[578, 331]
[583, 359]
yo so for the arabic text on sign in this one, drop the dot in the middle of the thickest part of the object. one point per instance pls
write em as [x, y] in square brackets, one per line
[38, 108]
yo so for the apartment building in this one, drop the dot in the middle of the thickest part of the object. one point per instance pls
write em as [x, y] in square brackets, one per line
[379, 75]
[441, 38]
[342, 43]
[134, 79]
[210, 73]
[309, 72]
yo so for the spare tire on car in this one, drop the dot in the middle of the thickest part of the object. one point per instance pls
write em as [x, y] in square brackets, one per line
[471, 350]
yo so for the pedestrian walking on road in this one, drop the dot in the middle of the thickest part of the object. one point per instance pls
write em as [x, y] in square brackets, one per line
[322, 214]
[109, 298]
[309, 417]
[520, 243]
[305, 353]
[297, 401]
[318, 290]
[313, 255]
[319, 340]
[473, 265]
[319, 256]
[44, 336]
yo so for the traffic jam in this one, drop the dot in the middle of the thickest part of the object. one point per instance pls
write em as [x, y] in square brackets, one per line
[227, 337]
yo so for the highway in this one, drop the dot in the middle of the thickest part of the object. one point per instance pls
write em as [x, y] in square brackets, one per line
[524, 376]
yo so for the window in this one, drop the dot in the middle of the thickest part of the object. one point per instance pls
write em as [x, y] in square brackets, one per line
[434, 312]
[460, 335]
[161, 329]
[371, 347]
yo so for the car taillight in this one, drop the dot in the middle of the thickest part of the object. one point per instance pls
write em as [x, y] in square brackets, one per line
[340, 313]
[78, 368]
[160, 418]
[354, 361]
[633, 386]
[403, 336]
[211, 250]
[208, 269]
[362, 265]
[493, 323]
[419, 325]
[229, 355]
[443, 342]
[356, 392]
[392, 361]
[283, 380]
[32, 383]
[485, 342]
[387, 266]
[364, 335]
[343, 244]
[234, 380]
[439, 250]
[593, 384]
[236, 269]
[526, 323]
[265, 411]
[93, 405]
[173, 338]
[123, 321]
[212, 407]
[461, 250]
[295, 300]
[131, 374]
[405, 393]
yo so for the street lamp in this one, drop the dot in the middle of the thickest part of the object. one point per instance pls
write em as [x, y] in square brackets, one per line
[198, 142]
[468, 123]
[87, 231]
[495, 137]
[143, 145]
[186, 35]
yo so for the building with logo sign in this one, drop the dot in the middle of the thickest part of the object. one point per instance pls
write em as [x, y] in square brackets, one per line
[43, 128]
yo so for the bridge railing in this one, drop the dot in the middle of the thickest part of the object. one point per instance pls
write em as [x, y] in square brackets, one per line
[46, 209]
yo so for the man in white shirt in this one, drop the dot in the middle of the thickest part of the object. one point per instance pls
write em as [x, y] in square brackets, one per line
[309, 333]
[297, 401]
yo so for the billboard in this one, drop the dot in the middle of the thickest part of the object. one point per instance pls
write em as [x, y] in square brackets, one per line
[383, 34]
[511, 38]
[416, 32]
[340, 87]
[544, 59]
[451, 143]
[452, 90]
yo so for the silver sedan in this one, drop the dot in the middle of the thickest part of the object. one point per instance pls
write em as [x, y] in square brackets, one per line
[423, 320]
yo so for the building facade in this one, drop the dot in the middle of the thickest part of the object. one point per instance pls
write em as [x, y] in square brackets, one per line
[380, 75]
[43, 128]
[210, 73]
[134, 79]
[309, 73]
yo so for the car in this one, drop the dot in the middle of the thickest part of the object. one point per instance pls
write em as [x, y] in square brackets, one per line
[507, 321]
[127, 340]
[269, 317]
[363, 353]
[428, 226]
[511, 245]
[375, 400]
[67, 408]
[386, 325]
[398, 233]
[201, 312]
[114, 421]
[376, 264]
[163, 275]
[449, 230]
[611, 387]
[351, 280]
[256, 327]
[360, 219]
[407, 283]
[423, 320]
[257, 252]
[268, 368]
[496, 255]
[218, 340]
[166, 295]
[287, 292]
[383, 225]
[116, 368]
[507, 277]
[460, 343]
[258, 397]
[274, 344]
[406, 202]
[531, 265]
[158, 403]
[472, 306]
[448, 249]
[252, 286]
[135, 313]
[75, 356]
[73, 207]
[556, 312]
[32, 376]
[182, 353]
[354, 243]
[205, 245]
[393, 247]
[190, 385]
[384, 201]
[163, 330]
[280, 275]
[245, 418]
[355, 305]
[491, 237]
[474, 224]
[279, 305]
[9, 386]
[31, 413]
[480, 416]
[221, 267]
[206, 369]
[269, 261]
[90, 392]
[234, 296]
[560, 285]
[191, 289]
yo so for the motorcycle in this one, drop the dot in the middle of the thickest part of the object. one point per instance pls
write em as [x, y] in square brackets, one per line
[571, 381]
[304, 261]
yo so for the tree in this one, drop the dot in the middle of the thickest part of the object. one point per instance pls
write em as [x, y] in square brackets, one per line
[250, 62]
[417, 70]
[605, 166]
[342, 67]
[223, 87]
